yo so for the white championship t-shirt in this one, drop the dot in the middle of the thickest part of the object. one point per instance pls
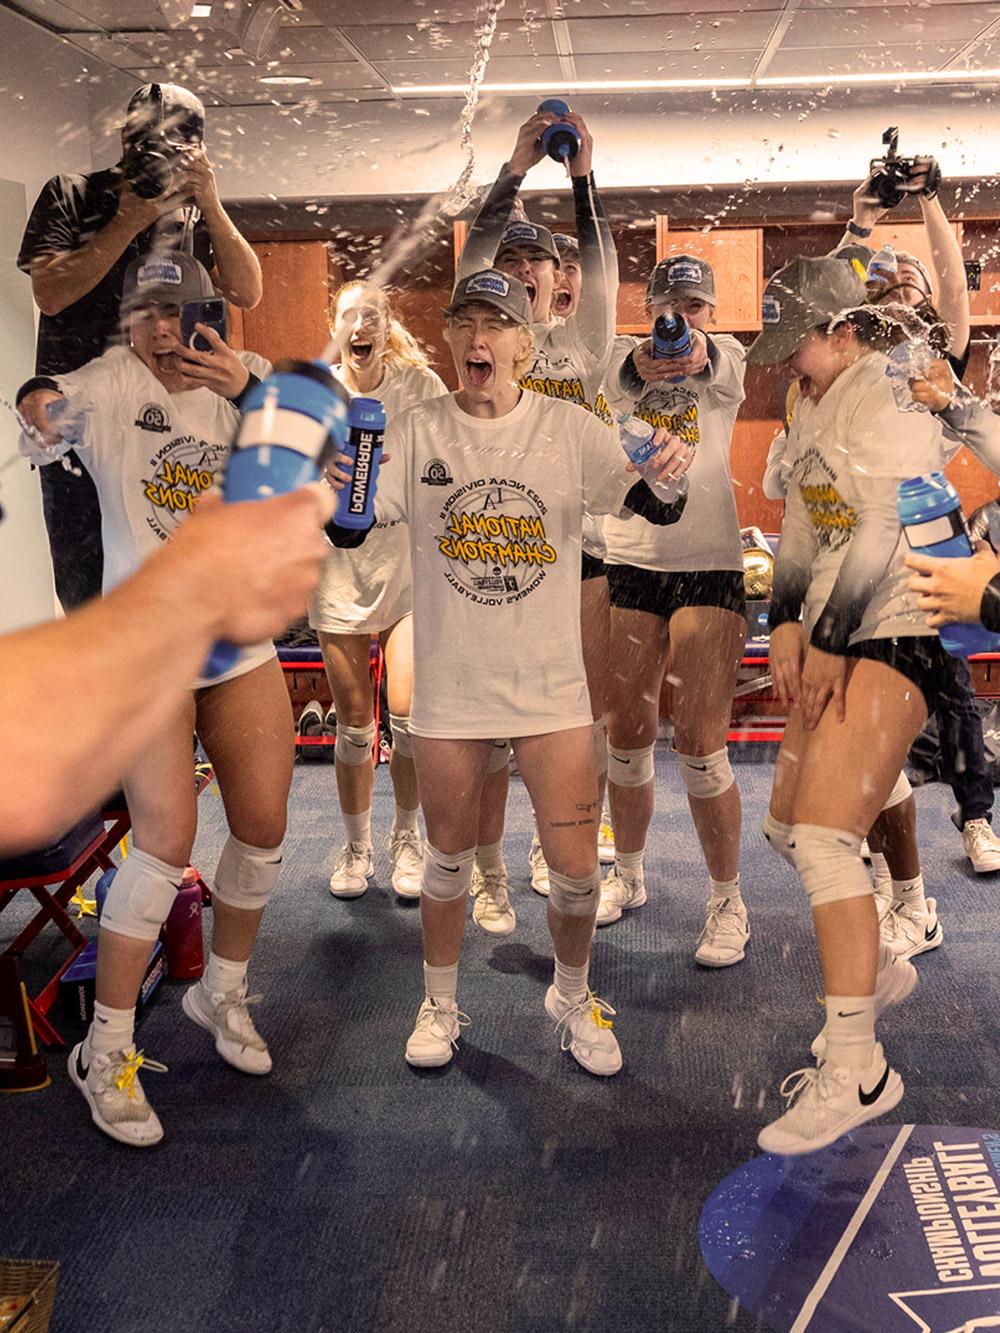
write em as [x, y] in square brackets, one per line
[367, 589]
[495, 509]
[846, 455]
[151, 454]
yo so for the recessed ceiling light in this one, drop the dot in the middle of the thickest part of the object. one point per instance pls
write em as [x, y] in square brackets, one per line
[886, 78]
[201, 12]
[284, 80]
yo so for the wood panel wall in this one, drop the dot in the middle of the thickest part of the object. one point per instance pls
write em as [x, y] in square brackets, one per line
[299, 276]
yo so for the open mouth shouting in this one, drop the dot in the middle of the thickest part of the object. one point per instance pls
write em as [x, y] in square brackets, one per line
[478, 372]
[561, 301]
[362, 350]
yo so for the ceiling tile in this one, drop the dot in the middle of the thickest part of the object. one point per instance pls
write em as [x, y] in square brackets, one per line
[405, 41]
[51, 11]
[573, 9]
[108, 13]
[668, 65]
[501, 69]
[668, 33]
[881, 28]
[849, 60]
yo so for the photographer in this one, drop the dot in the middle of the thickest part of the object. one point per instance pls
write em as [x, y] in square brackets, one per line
[83, 233]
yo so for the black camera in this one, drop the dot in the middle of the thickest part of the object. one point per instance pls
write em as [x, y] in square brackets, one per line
[889, 179]
[149, 164]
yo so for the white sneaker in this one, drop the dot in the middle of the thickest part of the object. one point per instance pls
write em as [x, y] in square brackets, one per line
[620, 892]
[539, 868]
[606, 843]
[491, 907]
[353, 870]
[406, 851]
[893, 984]
[724, 939]
[586, 1031]
[114, 1094]
[228, 1019]
[435, 1034]
[982, 846]
[828, 1101]
[908, 932]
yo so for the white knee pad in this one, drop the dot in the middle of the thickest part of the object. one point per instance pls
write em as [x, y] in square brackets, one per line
[141, 896]
[354, 744]
[246, 876]
[499, 756]
[901, 790]
[402, 741]
[630, 768]
[778, 835]
[601, 746]
[574, 897]
[706, 775]
[446, 877]
[829, 863]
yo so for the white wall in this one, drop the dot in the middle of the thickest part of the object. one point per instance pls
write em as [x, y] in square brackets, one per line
[652, 140]
[44, 129]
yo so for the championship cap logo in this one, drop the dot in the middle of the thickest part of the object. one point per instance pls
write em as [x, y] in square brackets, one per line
[159, 271]
[684, 271]
[492, 281]
[520, 231]
[770, 310]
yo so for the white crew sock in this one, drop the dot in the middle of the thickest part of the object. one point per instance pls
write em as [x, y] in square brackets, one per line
[222, 975]
[630, 862]
[850, 1030]
[112, 1030]
[571, 982]
[489, 858]
[910, 892]
[718, 889]
[359, 828]
[441, 984]
[404, 822]
[882, 873]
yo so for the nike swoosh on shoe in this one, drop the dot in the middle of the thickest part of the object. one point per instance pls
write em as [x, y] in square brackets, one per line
[869, 1098]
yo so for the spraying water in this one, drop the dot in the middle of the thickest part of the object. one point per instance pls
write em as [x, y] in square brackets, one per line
[448, 205]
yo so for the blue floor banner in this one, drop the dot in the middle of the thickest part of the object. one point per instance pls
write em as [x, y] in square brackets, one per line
[893, 1229]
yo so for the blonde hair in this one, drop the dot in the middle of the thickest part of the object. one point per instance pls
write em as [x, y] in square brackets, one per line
[523, 364]
[401, 347]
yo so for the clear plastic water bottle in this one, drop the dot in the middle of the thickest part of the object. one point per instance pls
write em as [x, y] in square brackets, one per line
[908, 361]
[68, 416]
[637, 440]
[931, 516]
[883, 267]
[993, 377]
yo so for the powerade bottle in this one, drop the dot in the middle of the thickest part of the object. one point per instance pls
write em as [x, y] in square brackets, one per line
[671, 340]
[293, 422]
[561, 142]
[636, 436]
[366, 434]
[931, 514]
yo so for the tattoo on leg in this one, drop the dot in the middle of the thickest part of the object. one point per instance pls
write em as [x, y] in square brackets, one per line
[572, 823]
[587, 805]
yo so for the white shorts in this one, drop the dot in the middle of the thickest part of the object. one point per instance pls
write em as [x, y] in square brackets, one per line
[365, 590]
[250, 659]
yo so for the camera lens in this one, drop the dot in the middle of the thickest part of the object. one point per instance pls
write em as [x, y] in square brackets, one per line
[148, 169]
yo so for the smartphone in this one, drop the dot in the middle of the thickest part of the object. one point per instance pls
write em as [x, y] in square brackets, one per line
[212, 313]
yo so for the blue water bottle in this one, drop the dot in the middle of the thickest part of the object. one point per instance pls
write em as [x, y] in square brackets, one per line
[671, 340]
[931, 514]
[561, 142]
[292, 423]
[366, 433]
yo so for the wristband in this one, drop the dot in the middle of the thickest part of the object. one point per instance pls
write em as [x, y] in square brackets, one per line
[855, 230]
[36, 382]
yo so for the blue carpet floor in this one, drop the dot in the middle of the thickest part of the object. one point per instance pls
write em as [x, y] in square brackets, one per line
[511, 1191]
